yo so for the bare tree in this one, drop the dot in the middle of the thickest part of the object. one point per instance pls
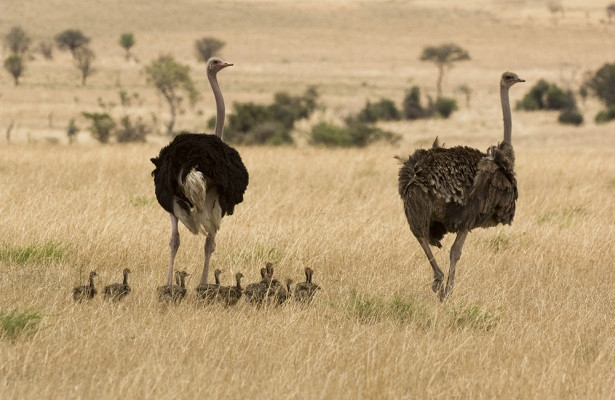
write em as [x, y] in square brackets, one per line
[444, 56]
[84, 57]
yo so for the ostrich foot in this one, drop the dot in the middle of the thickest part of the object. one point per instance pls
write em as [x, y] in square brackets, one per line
[437, 286]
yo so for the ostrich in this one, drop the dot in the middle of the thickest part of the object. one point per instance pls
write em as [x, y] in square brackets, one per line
[174, 293]
[209, 292]
[230, 295]
[459, 189]
[305, 291]
[199, 179]
[87, 291]
[118, 291]
[276, 291]
[256, 292]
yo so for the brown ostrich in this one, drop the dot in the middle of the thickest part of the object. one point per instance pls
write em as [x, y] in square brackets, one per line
[458, 189]
[209, 291]
[85, 292]
[305, 291]
[174, 293]
[118, 291]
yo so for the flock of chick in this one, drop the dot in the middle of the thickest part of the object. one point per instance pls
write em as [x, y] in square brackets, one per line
[268, 291]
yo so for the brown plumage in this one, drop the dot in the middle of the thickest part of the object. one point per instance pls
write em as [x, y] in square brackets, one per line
[230, 295]
[458, 189]
[174, 293]
[305, 291]
[209, 291]
[118, 291]
[256, 292]
[276, 291]
[87, 291]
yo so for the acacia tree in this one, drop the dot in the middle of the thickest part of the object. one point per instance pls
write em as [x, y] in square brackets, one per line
[171, 79]
[15, 66]
[127, 40]
[207, 47]
[71, 39]
[444, 56]
[84, 57]
[17, 41]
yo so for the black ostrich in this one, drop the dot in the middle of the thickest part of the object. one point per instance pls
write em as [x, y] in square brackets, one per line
[459, 189]
[199, 179]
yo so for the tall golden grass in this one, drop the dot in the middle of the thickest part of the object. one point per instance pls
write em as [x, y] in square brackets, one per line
[530, 316]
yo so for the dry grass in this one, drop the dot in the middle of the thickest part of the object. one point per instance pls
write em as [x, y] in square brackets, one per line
[531, 313]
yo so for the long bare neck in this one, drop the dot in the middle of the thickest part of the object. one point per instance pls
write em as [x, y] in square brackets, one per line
[506, 114]
[125, 282]
[220, 111]
[92, 282]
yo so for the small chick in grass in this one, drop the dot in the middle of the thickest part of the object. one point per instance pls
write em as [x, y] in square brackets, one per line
[86, 292]
[305, 291]
[174, 293]
[118, 291]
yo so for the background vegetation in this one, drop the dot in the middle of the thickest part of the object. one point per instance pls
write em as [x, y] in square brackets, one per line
[530, 315]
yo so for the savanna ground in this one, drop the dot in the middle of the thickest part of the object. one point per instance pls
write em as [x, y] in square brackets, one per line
[531, 315]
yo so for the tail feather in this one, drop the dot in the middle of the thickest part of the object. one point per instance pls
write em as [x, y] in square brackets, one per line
[195, 189]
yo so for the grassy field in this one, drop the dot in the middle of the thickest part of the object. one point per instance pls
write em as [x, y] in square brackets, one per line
[531, 315]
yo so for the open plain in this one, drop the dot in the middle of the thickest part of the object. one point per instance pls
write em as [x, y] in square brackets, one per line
[531, 315]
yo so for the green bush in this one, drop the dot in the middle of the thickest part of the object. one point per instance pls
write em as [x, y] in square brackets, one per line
[132, 132]
[547, 96]
[412, 108]
[385, 110]
[571, 117]
[270, 124]
[356, 133]
[102, 126]
[606, 115]
[445, 106]
[330, 135]
[603, 84]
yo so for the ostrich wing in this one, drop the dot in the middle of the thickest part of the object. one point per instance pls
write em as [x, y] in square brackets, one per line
[492, 198]
[219, 163]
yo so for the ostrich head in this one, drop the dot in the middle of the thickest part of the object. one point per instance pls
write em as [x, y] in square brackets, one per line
[509, 79]
[215, 64]
[93, 274]
[127, 271]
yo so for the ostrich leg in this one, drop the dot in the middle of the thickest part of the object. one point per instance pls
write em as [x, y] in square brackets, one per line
[438, 275]
[174, 244]
[455, 256]
[210, 247]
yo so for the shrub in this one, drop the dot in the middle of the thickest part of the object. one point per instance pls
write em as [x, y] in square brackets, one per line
[72, 130]
[17, 41]
[71, 39]
[130, 132]
[547, 96]
[570, 116]
[603, 84]
[329, 135]
[445, 106]
[412, 104]
[101, 127]
[356, 133]
[15, 66]
[270, 124]
[606, 115]
[385, 110]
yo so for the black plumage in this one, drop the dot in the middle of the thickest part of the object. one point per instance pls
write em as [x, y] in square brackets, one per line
[458, 189]
[220, 164]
